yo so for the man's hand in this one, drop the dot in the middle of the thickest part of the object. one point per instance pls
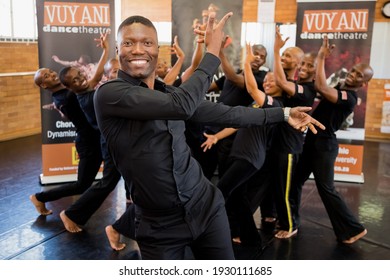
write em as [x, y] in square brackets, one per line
[300, 120]
[176, 49]
[102, 41]
[210, 141]
[250, 57]
[326, 49]
[279, 42]
[213, 35]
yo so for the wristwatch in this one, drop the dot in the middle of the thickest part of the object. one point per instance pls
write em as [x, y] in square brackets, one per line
[286, 112]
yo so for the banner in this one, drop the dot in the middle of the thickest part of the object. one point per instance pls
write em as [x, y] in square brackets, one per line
[348, 25]
[183, 16]
[66, 33]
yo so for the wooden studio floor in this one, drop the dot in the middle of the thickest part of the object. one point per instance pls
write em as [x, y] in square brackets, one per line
[24, 235]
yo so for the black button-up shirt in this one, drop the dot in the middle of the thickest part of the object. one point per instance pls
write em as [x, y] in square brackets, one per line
[144, 129]
[67, 103]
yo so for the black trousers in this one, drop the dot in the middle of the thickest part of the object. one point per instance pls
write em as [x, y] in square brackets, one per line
[125, 225]
[81, 210]
[233, 185]
[90, 160]
[318, 157]
[201, 224]
[283, 169]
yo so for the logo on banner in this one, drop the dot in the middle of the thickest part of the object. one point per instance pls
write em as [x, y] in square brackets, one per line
[337, 24]
[349, 159]
[75, 156]
[67, 17]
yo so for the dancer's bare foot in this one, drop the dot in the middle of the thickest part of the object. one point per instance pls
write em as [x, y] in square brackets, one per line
[355, 238]
[40, 206]
[236, 240]
[69, 224]
[285, 234]
[269, 219]
[113, 237]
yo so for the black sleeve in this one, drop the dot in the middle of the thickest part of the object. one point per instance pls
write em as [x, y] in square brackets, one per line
[238, 116]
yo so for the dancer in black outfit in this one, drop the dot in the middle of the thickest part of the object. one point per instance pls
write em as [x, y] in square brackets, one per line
[247, 157]
[87, 141]
[234, 93]
[288, 143]
[79, 212]
[142, 120]
[320, 150]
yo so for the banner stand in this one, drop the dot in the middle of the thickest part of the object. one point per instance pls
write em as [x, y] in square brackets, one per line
[47, 180]
[348, 25]
[61, 24]
[351, 178]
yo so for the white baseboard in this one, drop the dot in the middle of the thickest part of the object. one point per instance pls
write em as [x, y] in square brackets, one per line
[346, 178]
[46, 180]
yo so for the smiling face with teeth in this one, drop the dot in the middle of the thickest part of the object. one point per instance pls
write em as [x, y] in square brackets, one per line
[307, 68]
[76, 80]
[138, 50]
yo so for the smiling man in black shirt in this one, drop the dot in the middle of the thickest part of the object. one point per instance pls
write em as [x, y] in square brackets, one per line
[320, 151]
[142, 120]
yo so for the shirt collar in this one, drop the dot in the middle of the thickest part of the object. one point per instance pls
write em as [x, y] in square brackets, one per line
[159, 85]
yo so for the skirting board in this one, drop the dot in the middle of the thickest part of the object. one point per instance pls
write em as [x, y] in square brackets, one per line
[346, 178]
[47, 180]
